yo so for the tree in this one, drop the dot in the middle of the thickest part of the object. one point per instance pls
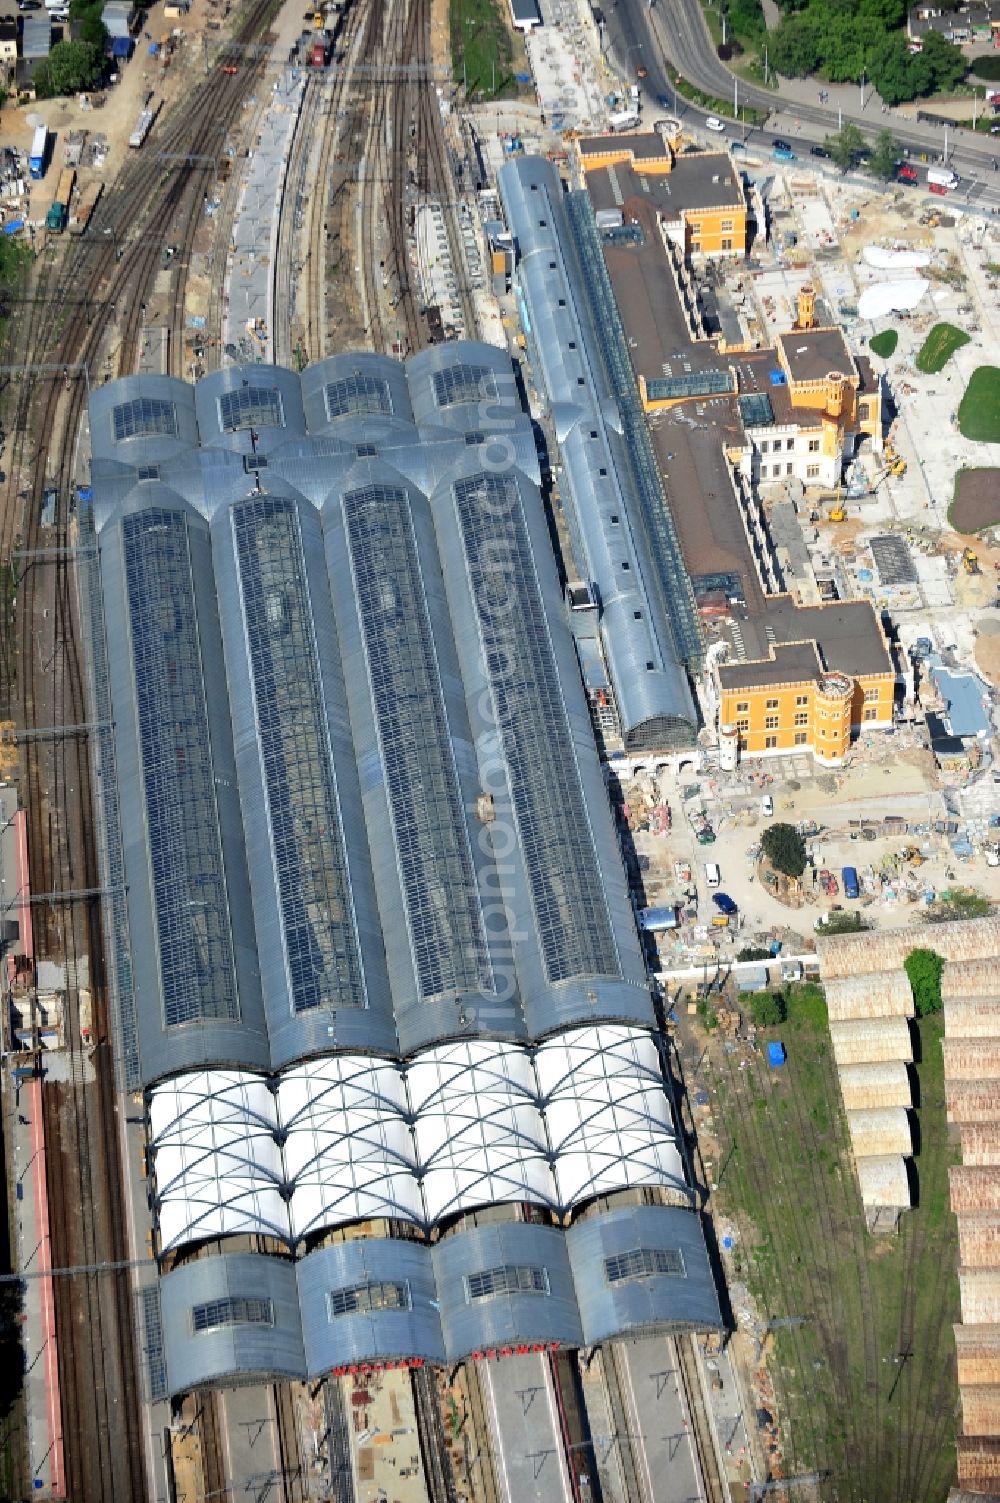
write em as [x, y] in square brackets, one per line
[923, 969]
[845, 146]
[785, 849]
[72, 67]
[93, 30]
[945, 61]
[795, 49]
[895, 72]
[885, 155]
[767, 1009]
[753, 952]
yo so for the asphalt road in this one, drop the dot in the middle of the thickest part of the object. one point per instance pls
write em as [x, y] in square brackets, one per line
[640, 35]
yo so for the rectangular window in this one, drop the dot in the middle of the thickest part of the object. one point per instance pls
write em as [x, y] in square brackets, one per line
[814, 446]
[360, 1299]
[238, 1310]
[743, 707]
[801, 700]
[727, 225]
[802, 717]
[770, 722]
[147, 472]
[772, 704]
[776, 471]
[872, 713]
[250, 407]
[789, 445]
[770, 743]
[764, 446]
[144, 417]
[644, 1263]
[871, 696]
[812, 471]
[743, 726]
[520, 1278]
[863, 411]
[801, 738]
[727, 245]
[788, 469]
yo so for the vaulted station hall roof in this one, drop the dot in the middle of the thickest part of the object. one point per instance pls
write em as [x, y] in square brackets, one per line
[374, 959]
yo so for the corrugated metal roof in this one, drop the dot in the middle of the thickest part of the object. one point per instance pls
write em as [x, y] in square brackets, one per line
[620, 1292]
[247, 1323]
[369, 1300]
[600, 493]
[505, 1285]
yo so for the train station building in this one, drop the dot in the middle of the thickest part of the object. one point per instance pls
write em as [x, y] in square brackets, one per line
[699, 424]
[373, 957]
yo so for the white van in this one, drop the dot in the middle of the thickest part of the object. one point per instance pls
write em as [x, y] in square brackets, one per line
[712, 874]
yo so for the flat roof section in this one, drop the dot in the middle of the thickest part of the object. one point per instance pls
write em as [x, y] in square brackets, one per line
[644, 145]
[691, 456]
[811, 354]
[703, 180]
[847, 632]
[700, 180]
[660, 342]
[787, 665]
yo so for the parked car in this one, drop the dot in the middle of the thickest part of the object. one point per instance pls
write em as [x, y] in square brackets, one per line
[767, 806]
[818, 151]
[724, 903]
[781, 146]
[714, 123]
[907, 174]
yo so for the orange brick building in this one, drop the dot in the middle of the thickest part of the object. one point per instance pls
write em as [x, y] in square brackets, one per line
[826, 675]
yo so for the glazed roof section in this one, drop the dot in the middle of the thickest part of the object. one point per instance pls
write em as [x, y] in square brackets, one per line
[246, 583]
[620, 527]
[461, 1126]
[491, 1289]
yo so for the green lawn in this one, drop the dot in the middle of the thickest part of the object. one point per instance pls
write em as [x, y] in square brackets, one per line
[865, 1381]
[884, 344]
[481, 48]
[979, 409]
[938, 348]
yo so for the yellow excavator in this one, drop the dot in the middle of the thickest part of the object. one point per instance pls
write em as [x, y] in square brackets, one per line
[970, 561]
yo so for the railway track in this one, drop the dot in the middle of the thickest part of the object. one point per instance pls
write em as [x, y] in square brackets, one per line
[430, 1430]
[686, 1361]
[44, 686]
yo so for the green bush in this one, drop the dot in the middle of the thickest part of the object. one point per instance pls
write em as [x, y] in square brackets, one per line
[987, 67]
[753, 952]
[884, 344]
[843, 923]
[785, 849]
[767, 1009]
[923, 969]
[961, 903]
[805, 1002]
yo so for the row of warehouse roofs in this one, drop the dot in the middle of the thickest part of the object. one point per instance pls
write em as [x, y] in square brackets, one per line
[347, 712]
[620, 524]
[485, 1290]
[350, 1138]
[972, 1093]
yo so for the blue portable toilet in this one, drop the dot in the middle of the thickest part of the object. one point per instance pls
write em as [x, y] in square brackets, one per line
[775, 1053]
